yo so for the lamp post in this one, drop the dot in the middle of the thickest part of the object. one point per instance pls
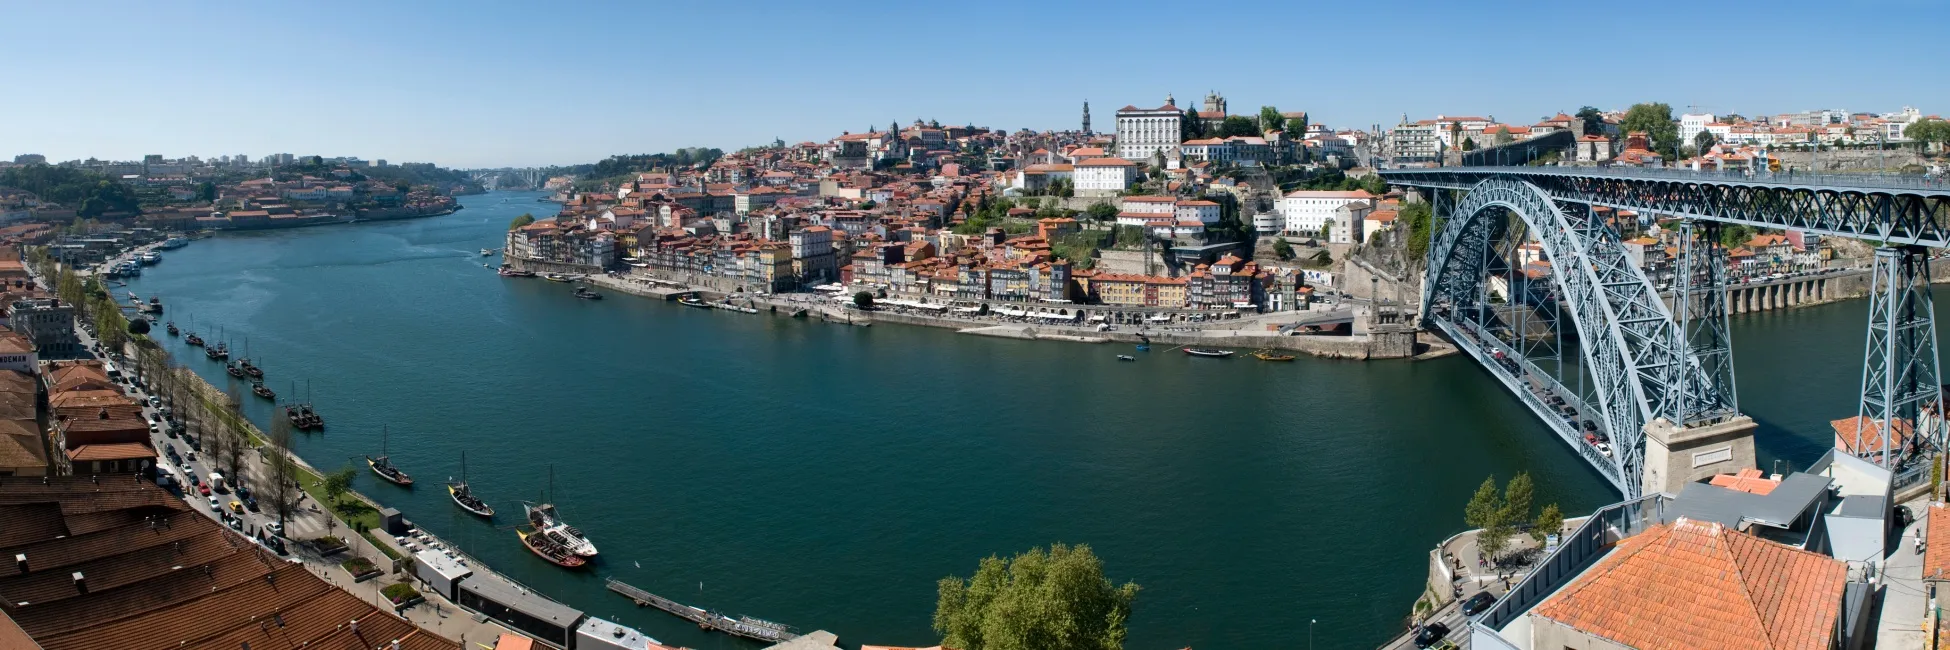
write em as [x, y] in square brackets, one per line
[1310, 632]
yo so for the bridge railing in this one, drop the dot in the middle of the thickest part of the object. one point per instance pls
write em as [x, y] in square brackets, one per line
[1877, 181]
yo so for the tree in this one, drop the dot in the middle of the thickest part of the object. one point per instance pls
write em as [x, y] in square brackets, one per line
[1483, 508]
[1549, 521]
[1282, 249]
[1270, 119]
[1296, 127]
[283, 493]
[1703, 141]
[1054, 600]
[206, 192]
[1190, 127]
[521, 221]
[1655, 119]
[863, 300]
[139, 326]
[1927, 131]
[1503, 136]
[1237, 126]
[1593, 119]
[337, 483]
[1102, 211]
[1469, 144]
[1516, 498]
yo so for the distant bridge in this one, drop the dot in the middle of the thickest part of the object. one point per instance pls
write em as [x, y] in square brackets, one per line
[493, 178]
[1644, 393]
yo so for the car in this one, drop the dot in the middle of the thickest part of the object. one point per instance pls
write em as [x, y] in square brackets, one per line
[1477, 603]
[204, 489]
[251, 502]
[275, 528]
[237, 507]
[154, 401]
[169, 449]
[153, 428]
[214, 505]
[1430, 634]
[190, 474]
[191, 454]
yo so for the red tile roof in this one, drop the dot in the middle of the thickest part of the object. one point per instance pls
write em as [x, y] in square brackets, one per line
[1698, 584]
[1936, 553]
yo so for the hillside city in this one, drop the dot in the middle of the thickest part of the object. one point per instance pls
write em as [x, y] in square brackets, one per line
[1196, 224]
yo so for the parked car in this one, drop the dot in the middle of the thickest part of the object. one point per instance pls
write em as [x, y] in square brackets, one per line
[1477, 603]
[204, 489]
[1430, 634]
[237, 507]
[275, 528]
[214, 504]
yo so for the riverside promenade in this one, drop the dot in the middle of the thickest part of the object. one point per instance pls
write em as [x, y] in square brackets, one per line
[1255, 331]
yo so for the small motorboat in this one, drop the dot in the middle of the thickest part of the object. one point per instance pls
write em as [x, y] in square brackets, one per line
[1126, 357]
[693, 301]
[585, 294]
[510, 272]
[559, 277]
[1266, 355]
[486, 252]
[1208, 352]
[1144, 347]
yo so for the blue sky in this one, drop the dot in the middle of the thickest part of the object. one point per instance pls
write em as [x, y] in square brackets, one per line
[488, 83]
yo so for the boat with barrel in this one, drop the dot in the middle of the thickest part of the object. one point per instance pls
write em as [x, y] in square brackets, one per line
[1269, 355]
[383, 465]
[233, 370]
[259, 389]
[547, 522]
[464, 496]
[541, 545]
[511, 272]
[189, 334]
[1208, 352]
[171, 328]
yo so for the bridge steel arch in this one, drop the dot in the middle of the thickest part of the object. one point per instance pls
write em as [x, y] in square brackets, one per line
[1629, 342]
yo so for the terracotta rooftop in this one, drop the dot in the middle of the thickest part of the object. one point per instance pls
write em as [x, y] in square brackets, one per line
[1936, 553]
[1695, 584]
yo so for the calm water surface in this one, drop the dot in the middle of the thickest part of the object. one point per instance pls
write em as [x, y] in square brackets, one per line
[826, 476]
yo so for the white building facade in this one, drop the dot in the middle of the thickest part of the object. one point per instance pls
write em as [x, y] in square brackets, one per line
[1104, 176]
[1143, 132]
[1307, 210]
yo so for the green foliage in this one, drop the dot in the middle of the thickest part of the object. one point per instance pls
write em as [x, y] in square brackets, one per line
[523, 220]
[1516, 498]
[1703, 141]
[1270, 119]
[1503, 136]
[337, 483]
[1484, 508]
[1191, 127]
[1282, 249]
[399, 592]
[863, 300]
[90, 193]
[1236, 125]
[139, 326]
[1102, 211]
[1079, 248]
[1594, 120]
[1549, 521]
[1296, 128]
[1054, 600]
[1655, 119]
[1420, 219]
[206, 192]
[1335, 180]
[1469, 144]
[357, 566]
[1928, 130]
[1734, 234]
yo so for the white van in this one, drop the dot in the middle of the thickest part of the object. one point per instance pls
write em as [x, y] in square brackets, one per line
[216, 482]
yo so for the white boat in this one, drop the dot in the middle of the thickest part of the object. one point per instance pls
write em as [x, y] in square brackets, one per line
[546, 520]
[150, 257]
[485, 252]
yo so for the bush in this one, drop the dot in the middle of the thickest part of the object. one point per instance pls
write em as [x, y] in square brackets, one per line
[399, 592]
[357, 566]
[863, 300]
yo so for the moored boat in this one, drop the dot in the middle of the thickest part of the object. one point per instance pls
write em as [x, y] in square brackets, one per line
[693, 301]
[1268, 355]
[559, 277]
[193, 339]
[383, 465]
[463, 496]
[1126, 357]
[549, 550]
[232, 369]
[261, 390]
[547, 522]
[586, 294]
[171, 328]
[1207, 352]
[512, 272]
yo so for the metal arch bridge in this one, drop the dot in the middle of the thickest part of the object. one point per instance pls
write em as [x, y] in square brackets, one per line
[530, 176]
[1649, 364]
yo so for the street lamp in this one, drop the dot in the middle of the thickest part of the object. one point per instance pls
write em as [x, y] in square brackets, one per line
[1310, 632]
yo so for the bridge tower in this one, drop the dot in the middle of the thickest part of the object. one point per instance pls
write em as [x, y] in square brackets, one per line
[1901, 375]
[1712, 437]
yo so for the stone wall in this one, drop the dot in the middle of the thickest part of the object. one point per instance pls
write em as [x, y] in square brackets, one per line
[1856, 160]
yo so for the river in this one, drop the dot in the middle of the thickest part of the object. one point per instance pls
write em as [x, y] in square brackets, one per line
[826, 476]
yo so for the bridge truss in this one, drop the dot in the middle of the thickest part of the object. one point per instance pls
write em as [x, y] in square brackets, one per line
[1597, 354]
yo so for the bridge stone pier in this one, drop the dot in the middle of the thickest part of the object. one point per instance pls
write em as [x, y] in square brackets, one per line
[1675, 456]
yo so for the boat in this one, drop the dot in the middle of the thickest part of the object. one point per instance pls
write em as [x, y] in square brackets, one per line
[464, 497]
[251, 370]
[559, 277]
[511, 272]
[1126, 357]
[548, 550]
[585, 294]
[135, 298]
[486, 252]
[548, 523]
[193, 339]
[233, 370]
[154, 306]
[212, 352]
[171, 328]
[173, 243]
[1205, 352]
[383, 465]
[219, 351]
[1144, 347]
[149, 257]
[261, 390]
[693, 301]
[1267, 355]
